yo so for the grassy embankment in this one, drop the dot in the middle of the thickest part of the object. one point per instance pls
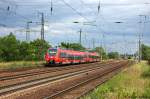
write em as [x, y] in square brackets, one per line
[20, 65]
[131, 83]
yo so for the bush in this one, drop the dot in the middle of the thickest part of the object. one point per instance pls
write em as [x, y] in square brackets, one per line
[113, 55]
[145, 52]
[146, 73]
[12, 49]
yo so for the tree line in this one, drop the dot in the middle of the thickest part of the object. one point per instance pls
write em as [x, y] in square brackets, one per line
[12, 49]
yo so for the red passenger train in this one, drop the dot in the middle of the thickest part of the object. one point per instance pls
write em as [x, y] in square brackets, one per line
[63, 56]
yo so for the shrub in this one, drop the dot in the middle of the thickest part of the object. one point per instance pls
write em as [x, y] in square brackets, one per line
[12, 49]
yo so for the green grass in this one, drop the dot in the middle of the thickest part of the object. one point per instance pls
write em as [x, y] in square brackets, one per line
[131, 83]
[20, 65]
[146, 73]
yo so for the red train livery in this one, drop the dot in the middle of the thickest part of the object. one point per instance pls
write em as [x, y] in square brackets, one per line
[61, 56]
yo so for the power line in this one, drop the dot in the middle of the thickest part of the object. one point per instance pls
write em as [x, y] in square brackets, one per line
[14, 13]
[122, 4]
[9, 2]
[80, 14]
[96, 14]
[86, 5]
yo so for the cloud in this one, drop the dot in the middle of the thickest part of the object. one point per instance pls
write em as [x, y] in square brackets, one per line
[60, 26]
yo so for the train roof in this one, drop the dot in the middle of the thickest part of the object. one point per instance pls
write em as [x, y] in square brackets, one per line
[75, 51]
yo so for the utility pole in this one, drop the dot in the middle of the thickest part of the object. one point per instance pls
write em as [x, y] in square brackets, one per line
[80, 41]
[28, 31]
[104, 43]
[101, 48]
[42, 26]
[139, 42]
[51, 7]
[139, 54]
[140, 38]
[125, 47]
[93, 43]
[99, 6]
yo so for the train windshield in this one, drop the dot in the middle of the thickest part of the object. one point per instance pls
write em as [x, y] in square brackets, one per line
[52, 52]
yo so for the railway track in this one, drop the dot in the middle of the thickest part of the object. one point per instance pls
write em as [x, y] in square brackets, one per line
[26, 79]
[47, 70]
[19, 86]
[34, 73]
[78, 85]
[107, 71]
[29, 84]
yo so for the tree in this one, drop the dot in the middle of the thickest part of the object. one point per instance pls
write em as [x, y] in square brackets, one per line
[101, 52]
[9, 47]
[113, 55]
[24, 51]
[74, 46]
[1, 52]
[38, 48]
[145, 52]
[12, 49]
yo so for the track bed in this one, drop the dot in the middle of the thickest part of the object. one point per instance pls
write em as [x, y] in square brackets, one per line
[55, 82]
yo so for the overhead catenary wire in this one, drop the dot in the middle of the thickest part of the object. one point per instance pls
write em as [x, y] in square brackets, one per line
[80, 14]
[12, 2]
[85, 5]
[15, 13]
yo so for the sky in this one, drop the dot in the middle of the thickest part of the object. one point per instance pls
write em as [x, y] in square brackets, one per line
[99, 28]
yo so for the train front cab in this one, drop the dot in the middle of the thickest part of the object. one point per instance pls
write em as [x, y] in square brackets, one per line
[51, 56]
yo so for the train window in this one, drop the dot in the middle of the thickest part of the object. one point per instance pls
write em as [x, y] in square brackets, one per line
[94, 57]
[52, 52]
[70, 56]
[81, 57]
[76, 57]
[63, 55]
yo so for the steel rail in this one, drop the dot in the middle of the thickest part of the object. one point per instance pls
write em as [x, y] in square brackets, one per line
[28, 84]
[103, 81]
[87, 67]
[107, 71]
[46, 71]
[38, 72]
